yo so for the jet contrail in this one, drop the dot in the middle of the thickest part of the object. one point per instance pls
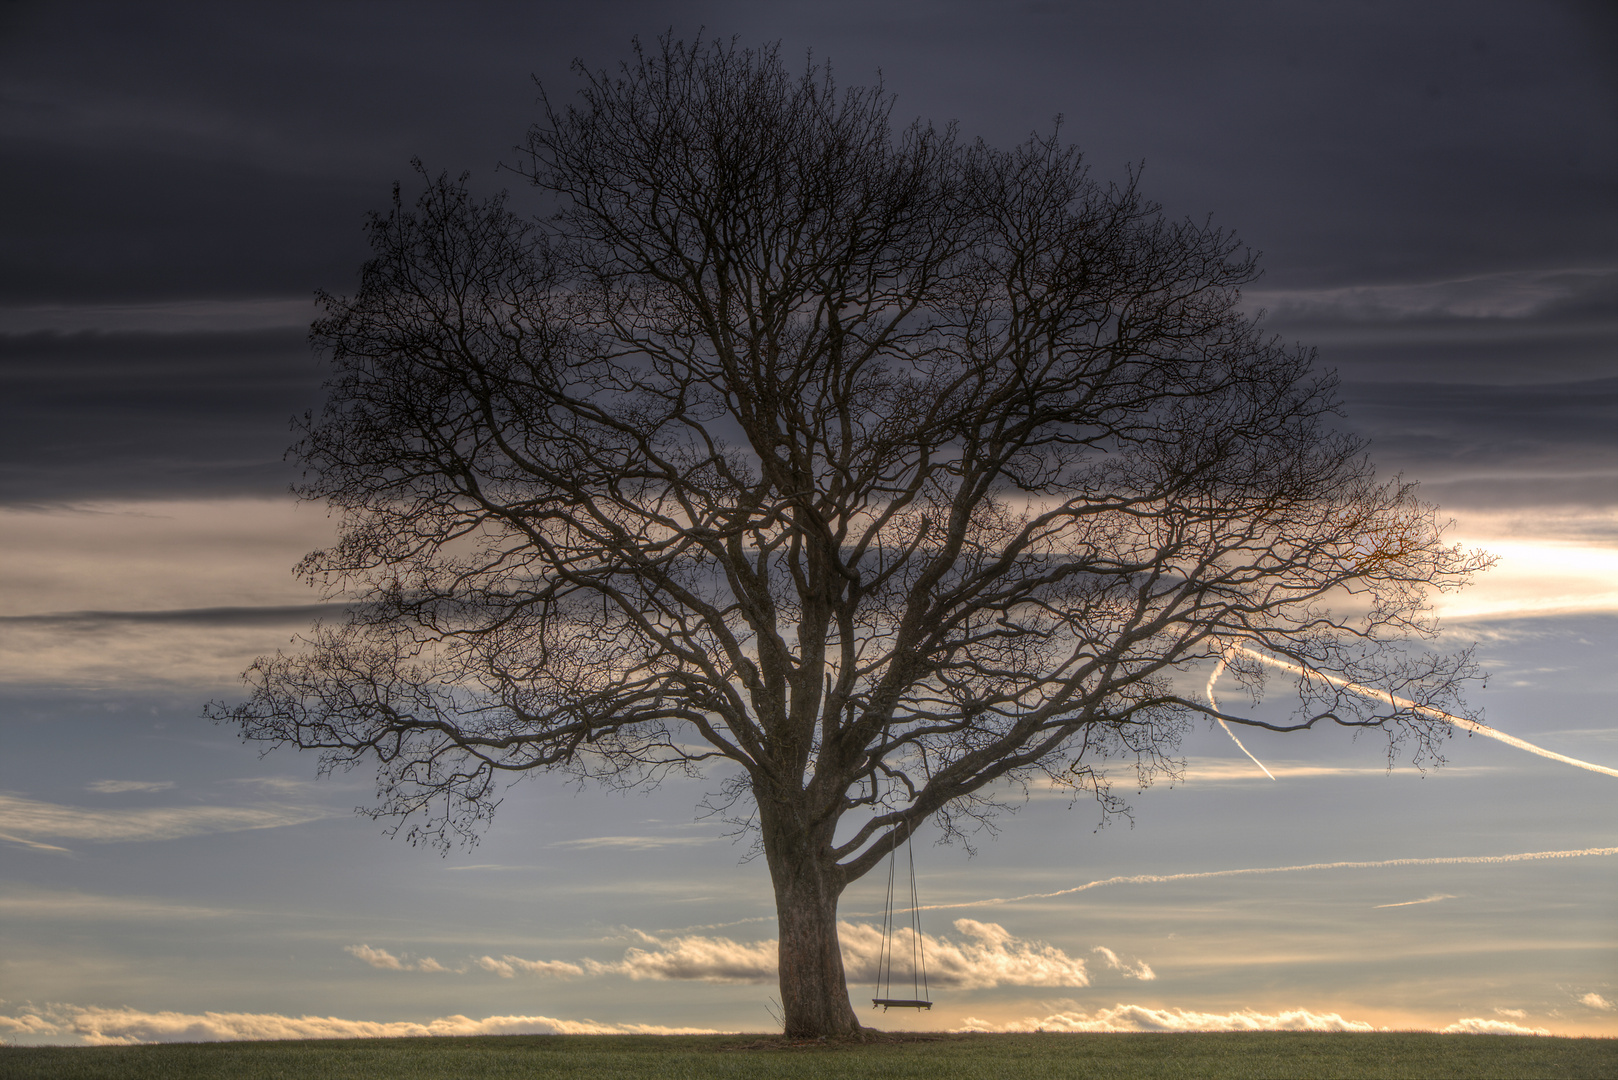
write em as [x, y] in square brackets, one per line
[1213, 703]
[1433, 899]
[1156, 879]
[32, 843]
[1427, 710]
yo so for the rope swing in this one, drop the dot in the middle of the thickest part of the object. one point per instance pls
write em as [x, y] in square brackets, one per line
[918, 955]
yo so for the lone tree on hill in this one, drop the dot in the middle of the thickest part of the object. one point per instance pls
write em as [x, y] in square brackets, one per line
[884, 468]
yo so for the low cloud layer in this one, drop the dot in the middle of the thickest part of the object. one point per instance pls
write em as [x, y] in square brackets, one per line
[1141, 1018]
[1477, 1025]
[984, 955]
[95, 1026]
[979, 956]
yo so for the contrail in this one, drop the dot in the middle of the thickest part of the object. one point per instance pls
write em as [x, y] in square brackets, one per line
[33, 844]
[1157, 879]
[1433, 899]
[1213, 703]
[1427, 710]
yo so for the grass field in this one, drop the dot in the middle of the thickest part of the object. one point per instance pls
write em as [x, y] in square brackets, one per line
[926, 1057]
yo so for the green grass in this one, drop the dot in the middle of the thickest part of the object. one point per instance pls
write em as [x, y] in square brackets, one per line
[925, 1057]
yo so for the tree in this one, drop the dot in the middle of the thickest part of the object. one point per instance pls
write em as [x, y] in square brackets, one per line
[886, 469]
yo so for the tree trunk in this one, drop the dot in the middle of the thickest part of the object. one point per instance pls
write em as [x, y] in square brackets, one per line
[814, 991]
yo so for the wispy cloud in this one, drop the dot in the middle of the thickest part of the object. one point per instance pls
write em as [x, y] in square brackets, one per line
[168, 317]
[29, 817]
[269, 615]
[1433, 899]
[383, 960]
[59, 904]
[116, 787]
[1596, 1001]
[95, 1026]
[283, 786]
[1508, 295]
[1515, 1014]
[508, 966]
[1138, 970]
[1141, 1018]
[1477, 1025]
[631, 843]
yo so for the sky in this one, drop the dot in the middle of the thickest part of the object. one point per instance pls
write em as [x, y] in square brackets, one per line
[1433, 190]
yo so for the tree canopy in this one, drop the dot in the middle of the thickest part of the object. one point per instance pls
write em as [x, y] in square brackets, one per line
[885, 467]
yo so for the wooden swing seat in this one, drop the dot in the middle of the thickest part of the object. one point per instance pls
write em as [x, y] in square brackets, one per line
[900, 1003]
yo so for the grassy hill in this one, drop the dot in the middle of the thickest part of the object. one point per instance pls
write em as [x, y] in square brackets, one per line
[926, 1057]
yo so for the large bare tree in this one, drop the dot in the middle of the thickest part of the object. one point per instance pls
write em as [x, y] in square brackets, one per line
[887, 470]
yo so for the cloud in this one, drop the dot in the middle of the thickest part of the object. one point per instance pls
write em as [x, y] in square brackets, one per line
[377, 958]
[1515, 1014]
[168, 317]
[1508, 295]
[95, 1026]
[693, 957]
[631, 843]
[983, 955]
[274, 615]
[499, 967]
[383, 960]
[1140, 970]
[1433, 899]
[29, 817]
[282, 786]
[507, 967]
[1477, 1025]
[115, 787]
[1596, 1001]
[75, 905]
[27, 1024]
[1141, 1018]
[200, 588]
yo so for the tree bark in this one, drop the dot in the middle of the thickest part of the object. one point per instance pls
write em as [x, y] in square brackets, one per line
[808, 883]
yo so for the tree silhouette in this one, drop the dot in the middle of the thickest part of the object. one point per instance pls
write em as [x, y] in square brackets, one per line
[884, 468]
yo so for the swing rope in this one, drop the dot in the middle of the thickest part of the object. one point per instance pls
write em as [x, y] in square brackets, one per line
[918, 952]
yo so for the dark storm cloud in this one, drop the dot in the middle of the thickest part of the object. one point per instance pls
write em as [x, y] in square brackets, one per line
[1495, 446]
[100, 415]
[218, 617]
[183, 152]
[1536, 326]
